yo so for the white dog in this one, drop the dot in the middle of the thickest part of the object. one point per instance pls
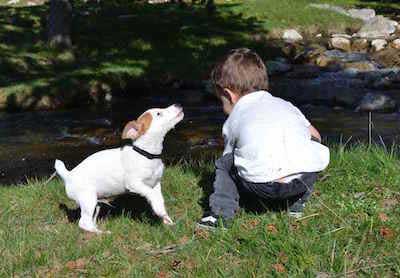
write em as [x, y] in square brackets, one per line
[134, 167]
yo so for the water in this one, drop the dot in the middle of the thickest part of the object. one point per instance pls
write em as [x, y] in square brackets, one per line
[31, 141]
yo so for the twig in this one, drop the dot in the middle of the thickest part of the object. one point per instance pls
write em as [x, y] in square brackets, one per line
[334, 231]
[306, 217]
[369, 128]
[362, 268]
[333, 254]
[324, 177]
[168, 249]
[51, 177]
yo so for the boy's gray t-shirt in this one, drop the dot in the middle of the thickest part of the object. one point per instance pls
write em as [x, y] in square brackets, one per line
[270, 139]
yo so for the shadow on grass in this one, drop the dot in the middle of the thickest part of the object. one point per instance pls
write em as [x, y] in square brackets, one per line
[122, 45]
[131, 205]
[248, 202]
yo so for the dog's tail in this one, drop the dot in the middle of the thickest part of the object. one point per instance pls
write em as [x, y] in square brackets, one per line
[61, 170]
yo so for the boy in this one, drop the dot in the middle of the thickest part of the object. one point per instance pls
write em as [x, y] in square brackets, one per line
[272, 152]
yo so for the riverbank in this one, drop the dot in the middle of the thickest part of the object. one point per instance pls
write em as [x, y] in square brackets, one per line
[350, 227]
[141, 56]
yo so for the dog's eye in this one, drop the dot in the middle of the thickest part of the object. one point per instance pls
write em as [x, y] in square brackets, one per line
[159, 114]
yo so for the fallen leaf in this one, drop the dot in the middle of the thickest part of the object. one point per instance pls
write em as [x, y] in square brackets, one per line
[386, 233]
[183, 240]
[189, 264]
[272, 228]
[88, 236]
[163, 274]
[78, 264]
[322, 275]
[383, 217]
[176, 264]
[251, 224]
[279, 268]
[359, 195]
[282, 257]
[389, 203]
[200, 233]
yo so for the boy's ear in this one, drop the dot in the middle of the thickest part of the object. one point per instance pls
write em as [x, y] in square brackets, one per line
[231, 96]
[226, 94]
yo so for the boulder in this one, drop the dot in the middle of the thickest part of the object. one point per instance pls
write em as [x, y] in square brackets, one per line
[360, 45]
[376, 102]
[396, 44]
[340, 43]
[278, 67]
[378, 44]
[363, 14]
[341, 36]
[377, 27]
[291, 36]
[304, 72]
[361, 66]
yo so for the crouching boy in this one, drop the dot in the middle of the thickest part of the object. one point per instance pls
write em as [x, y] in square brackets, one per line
[272, 152]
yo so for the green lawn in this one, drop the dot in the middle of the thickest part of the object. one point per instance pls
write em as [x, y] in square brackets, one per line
[351, 226]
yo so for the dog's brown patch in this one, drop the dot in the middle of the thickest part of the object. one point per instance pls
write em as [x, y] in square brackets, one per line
[135, 129]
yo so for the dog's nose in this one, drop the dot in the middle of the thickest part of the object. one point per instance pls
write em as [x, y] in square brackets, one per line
[177, 105]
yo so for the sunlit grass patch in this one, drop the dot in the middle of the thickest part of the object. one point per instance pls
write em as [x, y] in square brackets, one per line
[350, 226]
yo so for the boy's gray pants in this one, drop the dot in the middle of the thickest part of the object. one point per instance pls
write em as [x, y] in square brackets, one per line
[227, 186]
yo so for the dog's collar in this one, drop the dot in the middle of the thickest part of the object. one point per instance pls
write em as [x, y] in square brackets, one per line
[148, 155]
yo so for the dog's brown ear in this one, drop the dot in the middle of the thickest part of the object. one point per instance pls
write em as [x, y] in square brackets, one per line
[134, 129]
[131, 131]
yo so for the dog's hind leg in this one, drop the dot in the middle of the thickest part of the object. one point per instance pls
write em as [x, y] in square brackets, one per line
[88, 203]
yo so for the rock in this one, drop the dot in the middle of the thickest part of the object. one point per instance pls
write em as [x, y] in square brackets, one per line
[12, 2]
[376, 102]
[390, 81]
[304, 72]
[323, 61]
[377, 27]
[278, 67]
[396, 44]
[340, 43]
[363, 14]
[291, 35]
[360, 45]
[378, 44]
[341, 36]
[344, 57]
[361, 66]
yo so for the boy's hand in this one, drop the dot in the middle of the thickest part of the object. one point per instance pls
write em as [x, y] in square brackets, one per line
[314, 133]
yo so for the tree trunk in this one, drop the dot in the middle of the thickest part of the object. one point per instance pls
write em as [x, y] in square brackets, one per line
[59, 25]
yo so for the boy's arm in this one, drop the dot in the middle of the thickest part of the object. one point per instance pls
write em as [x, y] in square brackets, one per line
[314, 133]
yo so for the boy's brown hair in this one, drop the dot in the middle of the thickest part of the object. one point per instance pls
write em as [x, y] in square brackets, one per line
[242, 71]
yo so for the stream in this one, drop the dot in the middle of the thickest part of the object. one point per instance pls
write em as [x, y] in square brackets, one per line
[31, 141]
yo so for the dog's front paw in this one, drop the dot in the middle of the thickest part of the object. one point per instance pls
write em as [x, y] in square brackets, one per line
[167, 220]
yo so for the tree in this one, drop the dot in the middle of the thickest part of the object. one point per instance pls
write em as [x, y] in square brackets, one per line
[59, 24]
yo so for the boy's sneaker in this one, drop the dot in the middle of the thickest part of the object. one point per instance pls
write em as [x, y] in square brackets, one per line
[212, 222]
[296, 210]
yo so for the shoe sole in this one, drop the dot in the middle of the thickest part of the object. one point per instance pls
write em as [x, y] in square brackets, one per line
[209, 228]
[296, 215]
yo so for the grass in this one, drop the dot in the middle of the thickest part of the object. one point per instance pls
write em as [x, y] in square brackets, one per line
[352, 228]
